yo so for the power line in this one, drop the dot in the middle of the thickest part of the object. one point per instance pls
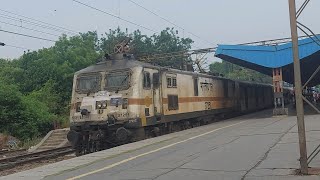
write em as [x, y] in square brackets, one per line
[168, 21]
[18, 47]
[303, 6]
[32, 23]
[155, 14]
[28, 28]
[118, 17]
[115, 16]
[186, 53]
[40, 21]
[26, 35]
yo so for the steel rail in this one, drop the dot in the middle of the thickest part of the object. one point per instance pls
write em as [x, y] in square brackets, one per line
[5, 152]
[13, 161]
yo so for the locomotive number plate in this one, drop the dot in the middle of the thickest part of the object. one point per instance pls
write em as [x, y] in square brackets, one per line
[115, 101]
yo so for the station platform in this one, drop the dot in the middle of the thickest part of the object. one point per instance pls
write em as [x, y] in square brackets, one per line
[253, 147]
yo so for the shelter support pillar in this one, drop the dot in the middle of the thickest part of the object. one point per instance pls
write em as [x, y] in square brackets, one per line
[279, 108]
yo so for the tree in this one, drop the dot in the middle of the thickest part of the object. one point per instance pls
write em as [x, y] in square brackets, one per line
[57, 64]
[22, 116]
[236, 72]
[165, 42]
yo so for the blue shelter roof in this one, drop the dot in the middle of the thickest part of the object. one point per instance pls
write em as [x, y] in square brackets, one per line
[265, 58]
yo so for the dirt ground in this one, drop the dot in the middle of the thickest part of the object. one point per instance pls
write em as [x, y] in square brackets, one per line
[5, 140]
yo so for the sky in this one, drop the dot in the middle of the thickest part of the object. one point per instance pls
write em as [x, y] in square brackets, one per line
[214, 21]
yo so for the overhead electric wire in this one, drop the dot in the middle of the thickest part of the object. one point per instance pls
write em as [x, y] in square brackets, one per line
[317, 40]
[8, 45]
[115, 16]
[28, 28]
[32, 23]
[303, 6]
[168, 21]
[18, 47]
[314, 40]
[60, 27]
[26, 35]
[213, 49]
[155, 14]
[118, 17]
[300, 24]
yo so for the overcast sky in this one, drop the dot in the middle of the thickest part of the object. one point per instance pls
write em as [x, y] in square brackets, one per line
[215, 21]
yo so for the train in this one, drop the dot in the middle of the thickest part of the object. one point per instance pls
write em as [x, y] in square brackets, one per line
[120, 100]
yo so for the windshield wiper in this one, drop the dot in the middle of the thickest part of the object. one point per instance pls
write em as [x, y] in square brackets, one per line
[93, 88]
[122, 82]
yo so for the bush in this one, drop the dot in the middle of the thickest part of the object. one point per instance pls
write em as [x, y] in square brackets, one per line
[22, 116]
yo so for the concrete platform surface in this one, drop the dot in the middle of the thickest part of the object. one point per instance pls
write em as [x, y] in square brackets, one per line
[254, 146]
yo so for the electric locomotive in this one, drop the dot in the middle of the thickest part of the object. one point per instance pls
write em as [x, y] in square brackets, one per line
[120, 100]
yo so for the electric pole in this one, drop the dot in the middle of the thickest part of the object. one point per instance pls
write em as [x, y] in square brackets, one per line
[298, 88]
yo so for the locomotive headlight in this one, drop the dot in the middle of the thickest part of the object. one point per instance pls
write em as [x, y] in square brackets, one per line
[101, 104]
[104, 104]
[98, 104]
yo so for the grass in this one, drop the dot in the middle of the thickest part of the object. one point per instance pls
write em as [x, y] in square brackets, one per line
[29, 143]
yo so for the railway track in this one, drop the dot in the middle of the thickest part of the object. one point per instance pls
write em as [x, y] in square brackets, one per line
[3, 151]
[10, 162]
[8, 153]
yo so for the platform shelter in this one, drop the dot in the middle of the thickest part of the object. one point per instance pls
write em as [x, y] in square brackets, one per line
[276, 60]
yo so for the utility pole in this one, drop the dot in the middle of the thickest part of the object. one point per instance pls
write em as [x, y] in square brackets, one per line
[298, 88]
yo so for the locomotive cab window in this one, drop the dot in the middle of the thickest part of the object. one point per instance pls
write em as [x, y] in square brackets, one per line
[171, 82]
[146, 80]
[155, 80]
[195, 86]
[88, 82]
[117, 80]
[173, 102]
[174, 82]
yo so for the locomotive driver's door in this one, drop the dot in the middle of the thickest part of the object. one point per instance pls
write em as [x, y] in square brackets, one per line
[152, 92]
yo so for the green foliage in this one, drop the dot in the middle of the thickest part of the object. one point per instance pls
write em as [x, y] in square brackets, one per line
[22, 116]
[48, 96]
[236, 72]
[165, 42]
[36, 88]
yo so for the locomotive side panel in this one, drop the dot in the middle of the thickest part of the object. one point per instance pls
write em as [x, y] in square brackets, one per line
[149, 97]
[190, 96]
